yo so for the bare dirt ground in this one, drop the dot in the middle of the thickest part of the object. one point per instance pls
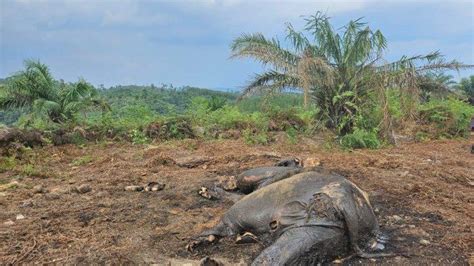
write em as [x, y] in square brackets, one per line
[423, 194]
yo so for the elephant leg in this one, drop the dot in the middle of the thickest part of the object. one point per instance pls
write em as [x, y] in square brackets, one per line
[279, 176]
[305, 246]
[231, 196]
[210, 236]
[218, 193]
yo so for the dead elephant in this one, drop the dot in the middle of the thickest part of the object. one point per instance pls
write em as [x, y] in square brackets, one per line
[309, 218]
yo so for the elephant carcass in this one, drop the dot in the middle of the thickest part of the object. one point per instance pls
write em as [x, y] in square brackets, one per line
[310, 217]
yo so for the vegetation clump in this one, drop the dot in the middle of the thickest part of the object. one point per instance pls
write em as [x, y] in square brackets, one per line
[44, 99]
[360, 139]
[171, 128]
[446, 118]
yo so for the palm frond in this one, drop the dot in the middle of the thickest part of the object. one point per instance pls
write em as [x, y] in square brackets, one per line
[440, 65]
[315, 72]
[15, 94]
[266, 51]
[326, 38]
[410, 62]
[270, 81]
[299, 40]
[45, 108]
[37, 79]
[75, 92]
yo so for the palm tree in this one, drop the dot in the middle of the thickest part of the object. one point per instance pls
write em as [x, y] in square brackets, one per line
[34, 90]
[339, 69]
[437, 85]
[467, 86]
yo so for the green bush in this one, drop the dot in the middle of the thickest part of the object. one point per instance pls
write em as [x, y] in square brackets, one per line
[227, 118]
[7, 163]
[283, 119]
[394, 104]
[138, 137]
[119, 122]
[179, 127]
[251, 137]
[82, 160]
[30, 170]
[451, 117]
[421, 136]
[292, 135]
[309, 118]
[360, 139]
[269, 102]
[216, 102]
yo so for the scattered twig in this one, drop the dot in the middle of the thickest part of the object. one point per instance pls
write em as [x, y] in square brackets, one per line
[17, 260]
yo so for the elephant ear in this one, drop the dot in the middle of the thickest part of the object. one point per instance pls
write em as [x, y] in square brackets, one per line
[292, 213]
[359, 217]
[320, 211]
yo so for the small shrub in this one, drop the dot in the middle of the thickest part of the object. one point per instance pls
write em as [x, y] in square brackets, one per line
[308, 116]
[394, 104]
[8, 186]
[170, 128]
[216, 102]
[77, 138]
[30, 170]
[292, 135]
[82, 160]
[421, 136]
[230, 118]
[252, 137]
[270, 101]
[138, 137]
[121, 121]
[360, 139]
[283, 119]
[7, 163]
[451, 117]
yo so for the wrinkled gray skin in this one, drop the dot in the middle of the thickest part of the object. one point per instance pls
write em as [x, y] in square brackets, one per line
[311, 217]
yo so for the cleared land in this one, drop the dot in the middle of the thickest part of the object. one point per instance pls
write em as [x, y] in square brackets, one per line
[423, 194]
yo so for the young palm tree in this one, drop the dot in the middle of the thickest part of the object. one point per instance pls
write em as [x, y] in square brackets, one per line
[466, 85]
[437, 85]
[340, 68]
[35, 90]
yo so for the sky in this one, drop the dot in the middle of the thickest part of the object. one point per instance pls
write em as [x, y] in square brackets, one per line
[186, 42]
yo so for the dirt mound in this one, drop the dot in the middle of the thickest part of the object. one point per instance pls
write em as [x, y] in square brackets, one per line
[28, 138]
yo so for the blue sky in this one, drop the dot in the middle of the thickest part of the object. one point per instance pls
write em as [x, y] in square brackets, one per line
[186, 42]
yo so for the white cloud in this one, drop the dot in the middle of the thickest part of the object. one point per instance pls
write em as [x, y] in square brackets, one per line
[266, 15]
[132, 17]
